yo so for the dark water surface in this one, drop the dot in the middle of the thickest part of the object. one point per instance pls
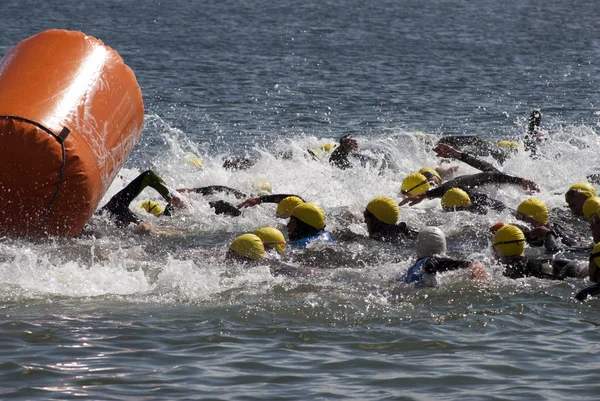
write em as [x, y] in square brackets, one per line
[128, 317]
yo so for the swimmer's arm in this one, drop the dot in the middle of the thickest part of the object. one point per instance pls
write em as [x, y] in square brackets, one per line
[490, 177]
[444, 150]
[211, 189]
[407, 231]
[283, 269]
[275, 198]
[442, 264]
[477, 163]
[558, 236]
[483, 201]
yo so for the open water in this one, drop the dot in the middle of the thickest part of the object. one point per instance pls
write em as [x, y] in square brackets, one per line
[121, 316]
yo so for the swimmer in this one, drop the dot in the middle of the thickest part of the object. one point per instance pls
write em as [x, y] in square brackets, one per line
[249, 250]
[577, 195]
[457, 199]
[340, 156]
[500, 151]
[416, 187]
[117, 208]
[509, 246]
[543, 232]
[381, 216]
[534, 135]
[306, 226]
[431, 247]
[273, 240]
[594, 275]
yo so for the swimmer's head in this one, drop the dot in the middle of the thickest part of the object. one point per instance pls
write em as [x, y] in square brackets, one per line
[306, 221]
[594, 264]
[430, 241]
[533, 209]
[509, 241]
[246, 248]
[310, 214]
[577, 195]
[286, 205]
[494, 228]
[512, 146]
[590, 207]
[194, 161]
[432, 175]
[455, 199]
[152, 207]
[414, 184]
[384, 209]
[272, 238]
[328, 147]
[261, 187]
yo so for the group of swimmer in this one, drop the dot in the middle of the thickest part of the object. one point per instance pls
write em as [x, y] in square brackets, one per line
[307, 221]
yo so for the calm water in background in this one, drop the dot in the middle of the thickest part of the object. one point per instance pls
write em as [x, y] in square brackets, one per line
[128, 317]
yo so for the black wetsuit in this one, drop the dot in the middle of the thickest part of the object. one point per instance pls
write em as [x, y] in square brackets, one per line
[431, 265]
[477, 146]
[340, 158]
[552, 269]
[489, 175]
[555, 239]
[212, 189]
[394, 233]
[117, 207]
[276, 198]
[530, 142]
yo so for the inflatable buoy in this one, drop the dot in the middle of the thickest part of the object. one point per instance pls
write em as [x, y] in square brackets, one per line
[70, 113]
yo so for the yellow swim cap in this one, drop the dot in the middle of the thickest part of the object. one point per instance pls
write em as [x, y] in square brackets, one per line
[193, 160]
[583, 187]
[534, 208]
[152, 207]
[455, 197]
[286, 205]
[384, 209]
[509, 241]
[261, 187]
[509, 145]
[311, 214]
[328, 147]
[415, 184]
[590, 207]
[248, 246]
[595, 255]
[272, 238]
[430, 170]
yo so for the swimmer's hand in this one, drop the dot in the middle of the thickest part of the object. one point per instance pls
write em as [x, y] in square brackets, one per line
[446, 171]
[249, 202]
[539, 232]
[176, 201]
[145, 228]
[447, 151]
[478, 272]
[413, 199]
[529, 185]
[588, 291]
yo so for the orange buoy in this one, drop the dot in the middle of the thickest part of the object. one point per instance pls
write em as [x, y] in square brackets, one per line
[70, 113]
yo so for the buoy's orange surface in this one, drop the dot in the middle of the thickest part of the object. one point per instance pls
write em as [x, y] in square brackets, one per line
[62, 88]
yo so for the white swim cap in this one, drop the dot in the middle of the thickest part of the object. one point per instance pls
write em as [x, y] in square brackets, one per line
[430, 241]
